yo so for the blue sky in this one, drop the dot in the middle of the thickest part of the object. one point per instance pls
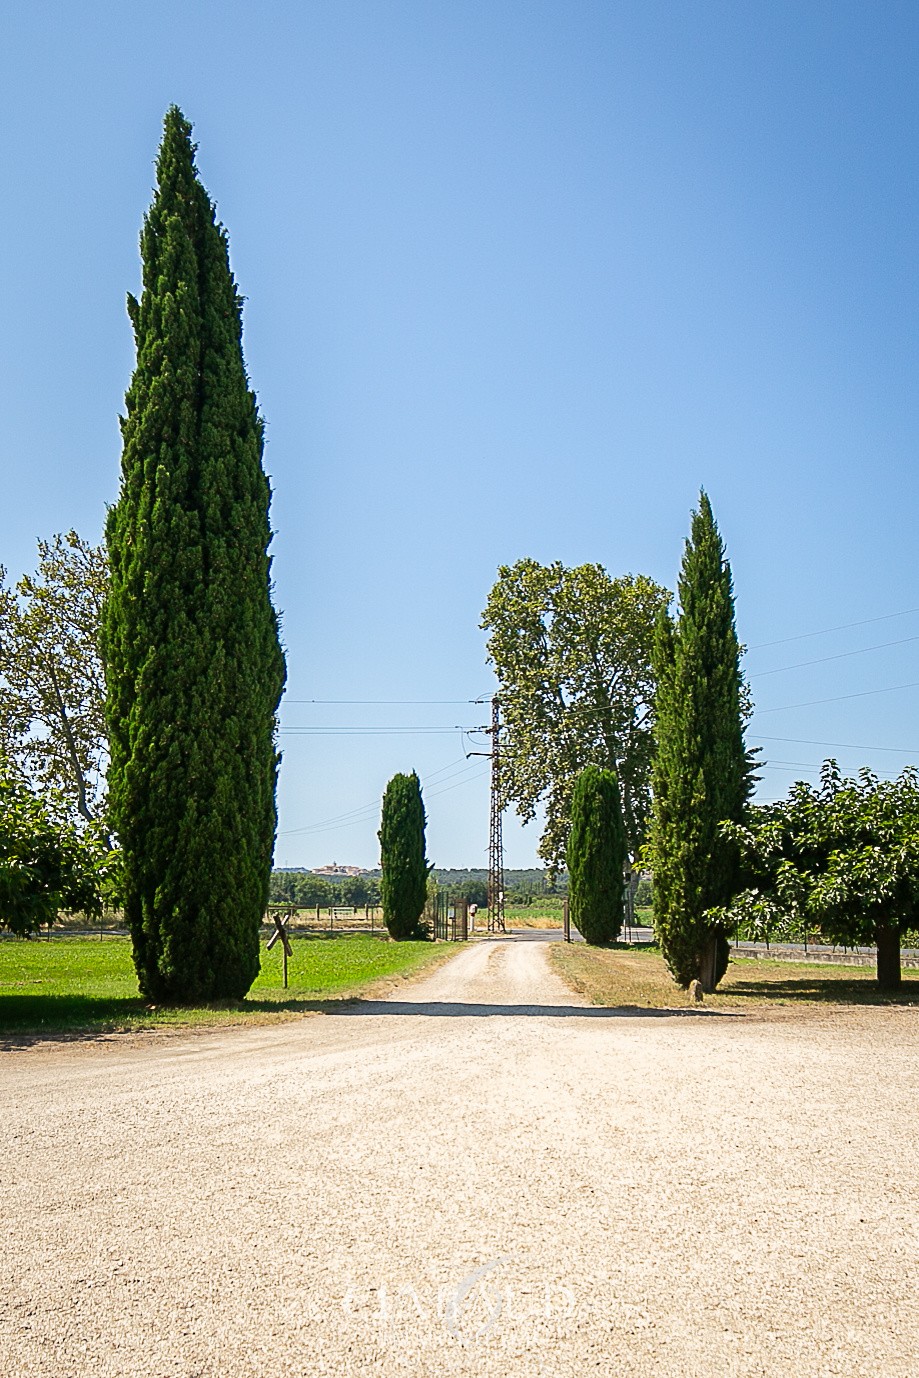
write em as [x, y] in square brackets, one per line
[519, 279]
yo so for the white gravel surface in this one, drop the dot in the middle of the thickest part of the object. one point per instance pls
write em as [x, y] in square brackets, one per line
[476, 1176]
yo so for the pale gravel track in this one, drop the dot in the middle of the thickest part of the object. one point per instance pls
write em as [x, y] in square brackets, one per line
[666, 1194]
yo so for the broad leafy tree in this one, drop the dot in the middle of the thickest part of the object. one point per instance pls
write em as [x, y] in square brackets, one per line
[702, 771]
[843, 856]
[194, 668]
[572, 652]
[52, 689]
[596, 856]
[403, 887]
[47, 863]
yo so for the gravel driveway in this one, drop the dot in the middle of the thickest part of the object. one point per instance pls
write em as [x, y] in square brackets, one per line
[478, 1175]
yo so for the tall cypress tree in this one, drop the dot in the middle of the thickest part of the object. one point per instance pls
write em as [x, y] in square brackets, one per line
[403, 887]
[194, 668]
[596, 856]
[702, 772]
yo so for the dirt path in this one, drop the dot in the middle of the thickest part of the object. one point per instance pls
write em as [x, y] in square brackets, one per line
[476, 1176]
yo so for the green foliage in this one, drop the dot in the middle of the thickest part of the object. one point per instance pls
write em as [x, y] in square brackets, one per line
[474, 892]
[46, 865]
[597, 853]
[52, 692]
[702, 772]
[402, 857]
[644, 894]
[194, 668]
[844, 856]
[310, 891]
[572, 652]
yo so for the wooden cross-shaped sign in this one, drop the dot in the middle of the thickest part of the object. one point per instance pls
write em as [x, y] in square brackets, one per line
[280, 936]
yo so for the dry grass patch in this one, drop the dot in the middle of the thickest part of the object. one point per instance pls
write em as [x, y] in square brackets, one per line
[638, 977]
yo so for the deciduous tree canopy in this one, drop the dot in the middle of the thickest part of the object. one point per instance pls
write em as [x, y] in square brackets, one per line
[572, 652]
[844, 855]
[52, 690]
[46, 863]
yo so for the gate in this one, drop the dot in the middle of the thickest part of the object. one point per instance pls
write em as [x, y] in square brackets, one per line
[449, 919]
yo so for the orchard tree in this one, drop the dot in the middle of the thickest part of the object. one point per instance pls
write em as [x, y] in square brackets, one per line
[194, 668]
[572, 652]
[702, 771]
[52, 687]
[597, 854]
[403, 888]
[844, 856]
[46, 863]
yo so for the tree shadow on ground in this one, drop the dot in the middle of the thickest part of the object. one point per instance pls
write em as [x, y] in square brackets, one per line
[459, 1009]
[29, 1019]
[828, 990]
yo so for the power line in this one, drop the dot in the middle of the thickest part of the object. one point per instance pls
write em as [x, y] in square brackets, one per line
[844, 746]
[384, 702]
[364, 812]
[369, 731]
[843, 655]
[813, 769]
[824, 631]
[315, 830]
[838, 698]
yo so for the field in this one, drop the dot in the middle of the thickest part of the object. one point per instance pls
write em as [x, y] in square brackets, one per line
[82, 983]
[637, 977]
[546, 912]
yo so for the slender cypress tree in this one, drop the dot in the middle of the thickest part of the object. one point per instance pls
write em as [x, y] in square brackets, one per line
[403, 888]
[702, 772]
[194, 668]
[596, 856]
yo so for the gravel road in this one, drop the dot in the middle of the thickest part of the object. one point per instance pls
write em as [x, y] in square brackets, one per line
[478, 1175]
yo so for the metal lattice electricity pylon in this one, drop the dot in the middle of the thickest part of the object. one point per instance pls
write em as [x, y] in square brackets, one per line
[495, 839]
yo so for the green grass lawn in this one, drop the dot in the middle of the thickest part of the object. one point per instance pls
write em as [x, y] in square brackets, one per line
[86, 984]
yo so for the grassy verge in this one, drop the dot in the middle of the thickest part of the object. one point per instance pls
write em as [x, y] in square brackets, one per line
[638, 977]
[71, 985]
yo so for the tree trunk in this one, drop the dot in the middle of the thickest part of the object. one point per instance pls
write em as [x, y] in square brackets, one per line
[888, 941]
[708, 965]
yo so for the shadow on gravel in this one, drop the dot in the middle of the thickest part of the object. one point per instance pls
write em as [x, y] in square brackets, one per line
[461, 1010]
[29, 1020]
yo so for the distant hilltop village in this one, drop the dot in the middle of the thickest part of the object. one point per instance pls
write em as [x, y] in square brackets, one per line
[333, 871]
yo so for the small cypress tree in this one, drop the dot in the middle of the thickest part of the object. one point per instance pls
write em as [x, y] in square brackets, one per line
[702, 772]
[403, 887]
[194, 668]
[596, 856]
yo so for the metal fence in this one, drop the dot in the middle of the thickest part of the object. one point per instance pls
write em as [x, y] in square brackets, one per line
[339, 919]
[448, 919]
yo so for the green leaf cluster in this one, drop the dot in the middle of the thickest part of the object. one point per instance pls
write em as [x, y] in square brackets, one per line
[403, 887]
[597, 853]
[844, 855]
[46, 863]
[52, 689]
[194, 667]
[572, 651]
[702, 772]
